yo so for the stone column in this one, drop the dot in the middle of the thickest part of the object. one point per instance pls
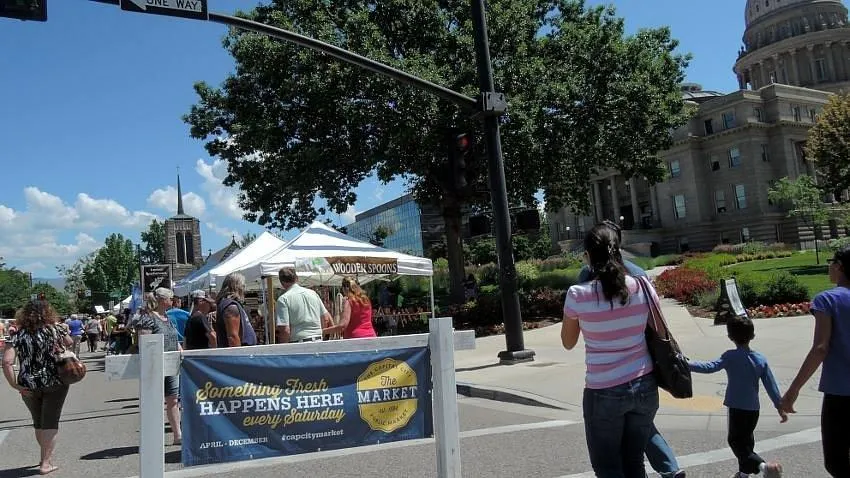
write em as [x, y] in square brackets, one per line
[741, 84]
[812, 66]
[656, 214]
[635, 205]
[776, 70]
[795, 74]
[748, 78]
[597, 201]
[831, 74]
[615, 200]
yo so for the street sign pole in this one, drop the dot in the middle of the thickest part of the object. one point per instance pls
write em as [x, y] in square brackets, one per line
[493, 106]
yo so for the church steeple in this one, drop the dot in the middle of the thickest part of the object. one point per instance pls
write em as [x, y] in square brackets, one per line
[179, 198]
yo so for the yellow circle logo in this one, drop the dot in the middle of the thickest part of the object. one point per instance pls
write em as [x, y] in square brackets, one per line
[387, 395]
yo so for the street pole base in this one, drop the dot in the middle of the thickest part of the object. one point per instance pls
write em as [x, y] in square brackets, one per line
[507, 357]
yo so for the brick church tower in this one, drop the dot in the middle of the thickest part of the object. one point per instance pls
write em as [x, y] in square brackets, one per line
[183, 240]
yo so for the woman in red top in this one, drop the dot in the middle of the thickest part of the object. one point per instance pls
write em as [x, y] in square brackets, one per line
[356, 321]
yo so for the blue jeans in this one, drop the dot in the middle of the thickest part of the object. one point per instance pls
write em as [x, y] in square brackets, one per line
[618, 425]
[661, 456]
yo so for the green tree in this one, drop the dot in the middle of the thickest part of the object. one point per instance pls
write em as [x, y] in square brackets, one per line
[379, 235]
[828, 145]
[154, 240]
[584, 97]
[59, 300]
[482, 251]
[247, 238]
[114, 269]
[75, 285]
[14, 290]
[805, 201]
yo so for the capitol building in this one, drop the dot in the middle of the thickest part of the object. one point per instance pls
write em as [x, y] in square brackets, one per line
[735, 146]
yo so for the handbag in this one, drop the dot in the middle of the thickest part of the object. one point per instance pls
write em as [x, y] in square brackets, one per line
[669, 364]
[71, 370]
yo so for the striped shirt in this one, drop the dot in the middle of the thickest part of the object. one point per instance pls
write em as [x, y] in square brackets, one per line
[615, 345]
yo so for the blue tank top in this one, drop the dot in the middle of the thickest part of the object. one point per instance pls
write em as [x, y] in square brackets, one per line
[75, 327]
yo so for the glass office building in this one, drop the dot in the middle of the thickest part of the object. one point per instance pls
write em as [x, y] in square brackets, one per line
[402, 217]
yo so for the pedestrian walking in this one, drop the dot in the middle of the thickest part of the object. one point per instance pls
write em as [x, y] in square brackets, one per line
[744, 369]
[301, 314]
[831, 347]
[232, 327]
[658, 452]
[75, 328]
[38, 381]
[155, 321]
[199, 332]
[621, 394]
[356, 322]
[93, 333]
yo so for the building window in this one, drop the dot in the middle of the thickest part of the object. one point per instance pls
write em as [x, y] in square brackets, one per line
[729, 120]
[813, 115]
[720, 200]
[734, 157]
[679, 206]
[745, 234]
[820, 68]
[765, 154]
[797, 116]
[724, 239]
[757, 112]
[709, 127]
[683, 245]
[675, 169]
[772, 76]
[770, 185]
[714, 163]
[740, 196]
[777, 231]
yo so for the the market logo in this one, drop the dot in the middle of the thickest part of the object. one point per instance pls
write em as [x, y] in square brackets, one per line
[387, 395]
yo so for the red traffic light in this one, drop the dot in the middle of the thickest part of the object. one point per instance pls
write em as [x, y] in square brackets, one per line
[463, 142]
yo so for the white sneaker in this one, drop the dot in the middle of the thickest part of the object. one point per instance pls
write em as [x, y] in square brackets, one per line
[772, 470]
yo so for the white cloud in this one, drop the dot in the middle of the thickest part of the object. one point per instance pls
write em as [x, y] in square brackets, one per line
[46, 247]
[108, 212]
[44, 210]
[224, 198]
[7, 215]
[379, 193]
[222, 231]
[349, 215]
[33, 266]
[166, 200]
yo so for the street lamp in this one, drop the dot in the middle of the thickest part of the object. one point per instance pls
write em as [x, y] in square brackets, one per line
[568, 232]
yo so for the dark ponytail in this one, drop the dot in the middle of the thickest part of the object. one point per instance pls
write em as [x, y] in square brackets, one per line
[606, 262]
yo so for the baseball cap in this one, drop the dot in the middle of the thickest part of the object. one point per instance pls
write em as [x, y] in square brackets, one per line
[201, 294]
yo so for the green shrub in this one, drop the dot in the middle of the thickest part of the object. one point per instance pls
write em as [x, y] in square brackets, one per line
[783, 288]
[559, 280]
[708, 299]
[559, 262]
[489, 290]
[836, 244]
[750, 288]
[527, 273]
[488, 274]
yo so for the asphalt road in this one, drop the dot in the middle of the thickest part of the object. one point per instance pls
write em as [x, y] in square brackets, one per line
[99, 438]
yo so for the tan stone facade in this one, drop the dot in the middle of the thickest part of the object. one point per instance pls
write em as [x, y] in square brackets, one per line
[735, 146]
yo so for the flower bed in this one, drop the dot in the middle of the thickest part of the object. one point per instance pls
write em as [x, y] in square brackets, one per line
[781, 310]
[684, 284]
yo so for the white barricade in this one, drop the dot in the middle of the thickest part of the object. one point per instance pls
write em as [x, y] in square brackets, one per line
[152, 365]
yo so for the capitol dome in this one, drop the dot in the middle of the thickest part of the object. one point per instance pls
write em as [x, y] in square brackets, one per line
[795, 42]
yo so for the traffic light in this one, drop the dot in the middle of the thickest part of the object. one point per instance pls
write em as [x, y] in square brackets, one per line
[35, 10]
[461, 156]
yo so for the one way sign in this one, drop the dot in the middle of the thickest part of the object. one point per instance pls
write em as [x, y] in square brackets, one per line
[196, 9]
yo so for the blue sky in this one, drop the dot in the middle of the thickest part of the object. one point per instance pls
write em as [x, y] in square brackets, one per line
[91, 135]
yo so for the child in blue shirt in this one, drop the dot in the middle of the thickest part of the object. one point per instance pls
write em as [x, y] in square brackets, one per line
[744, 368]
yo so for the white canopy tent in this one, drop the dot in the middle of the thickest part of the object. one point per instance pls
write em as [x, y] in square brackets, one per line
[122, 305]
[314, 250]
[259, 248]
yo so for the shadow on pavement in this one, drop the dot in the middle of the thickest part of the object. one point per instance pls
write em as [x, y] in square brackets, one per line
[112, 453]
[480, 367]
[118, 400]
[28, 421]
[22, 471]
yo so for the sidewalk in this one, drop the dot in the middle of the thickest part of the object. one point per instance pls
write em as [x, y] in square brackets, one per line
[556, 377]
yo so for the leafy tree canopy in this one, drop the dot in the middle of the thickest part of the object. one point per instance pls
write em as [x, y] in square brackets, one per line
[246, 239]
[111, 269]
[299, 129]
[154, 241]
[804, 198]
[829, 144]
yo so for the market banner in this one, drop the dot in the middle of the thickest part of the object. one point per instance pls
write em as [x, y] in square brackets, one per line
[248, 407]
[363, 265]
[155, 275]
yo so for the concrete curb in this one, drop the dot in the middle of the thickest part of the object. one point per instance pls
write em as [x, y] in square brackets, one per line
[510, 396]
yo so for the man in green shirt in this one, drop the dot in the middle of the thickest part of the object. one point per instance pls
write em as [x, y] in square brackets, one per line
[301, 314]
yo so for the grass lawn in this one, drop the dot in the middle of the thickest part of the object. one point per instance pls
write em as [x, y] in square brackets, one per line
[802, 266]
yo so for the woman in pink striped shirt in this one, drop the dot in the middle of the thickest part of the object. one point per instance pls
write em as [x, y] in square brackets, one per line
[620, 395]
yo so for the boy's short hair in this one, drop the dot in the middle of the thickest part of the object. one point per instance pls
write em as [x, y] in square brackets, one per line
[741, 330]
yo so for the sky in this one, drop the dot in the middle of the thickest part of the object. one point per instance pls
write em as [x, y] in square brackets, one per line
[91, 136]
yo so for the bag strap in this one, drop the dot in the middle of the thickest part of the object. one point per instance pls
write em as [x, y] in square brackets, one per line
[656, 318]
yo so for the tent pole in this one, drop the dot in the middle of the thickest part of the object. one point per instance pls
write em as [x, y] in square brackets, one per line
[266, 308]
[270, 319]
[433, 308]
